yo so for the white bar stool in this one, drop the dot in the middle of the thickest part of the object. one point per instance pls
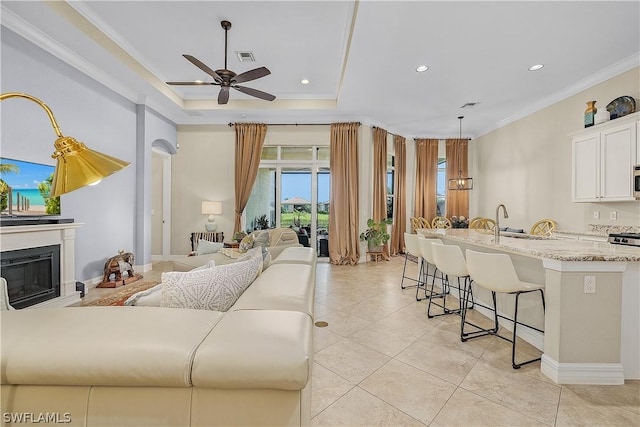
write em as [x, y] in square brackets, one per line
[450, 261]
[424, 245]
[496, 273]
[412, 247]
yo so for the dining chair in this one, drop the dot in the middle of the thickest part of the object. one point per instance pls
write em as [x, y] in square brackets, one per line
[544, 227]
[481, 223]
[440, 222]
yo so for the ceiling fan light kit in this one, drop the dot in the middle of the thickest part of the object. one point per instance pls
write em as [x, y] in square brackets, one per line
[226, 78]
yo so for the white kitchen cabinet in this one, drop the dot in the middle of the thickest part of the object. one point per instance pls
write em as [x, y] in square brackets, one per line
[602, 160]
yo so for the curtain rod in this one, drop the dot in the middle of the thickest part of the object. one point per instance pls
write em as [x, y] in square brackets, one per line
[299, 124]
[388, 133]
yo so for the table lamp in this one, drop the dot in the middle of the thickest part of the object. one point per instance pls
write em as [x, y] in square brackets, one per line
[211, 208]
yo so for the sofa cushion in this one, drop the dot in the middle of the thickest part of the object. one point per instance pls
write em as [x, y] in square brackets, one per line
[296, 255]
[215, 288]
[109, 346]
[283, 236]
[281, 287]
[274, 352]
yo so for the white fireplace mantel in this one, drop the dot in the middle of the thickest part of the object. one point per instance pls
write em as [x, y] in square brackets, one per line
[33, 236]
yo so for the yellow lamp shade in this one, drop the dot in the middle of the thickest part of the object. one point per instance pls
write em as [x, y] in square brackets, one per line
[78, 166]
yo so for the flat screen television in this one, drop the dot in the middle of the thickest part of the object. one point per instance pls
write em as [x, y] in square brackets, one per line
[25, 187]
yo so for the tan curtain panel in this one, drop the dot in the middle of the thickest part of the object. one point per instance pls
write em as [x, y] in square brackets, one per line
[380, 178]
[249, 141]
[457, 203]
[399, 199]
[379, 174]
[426, 178]
[344, 244]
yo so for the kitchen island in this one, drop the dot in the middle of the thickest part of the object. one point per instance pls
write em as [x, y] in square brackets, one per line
[590, 338]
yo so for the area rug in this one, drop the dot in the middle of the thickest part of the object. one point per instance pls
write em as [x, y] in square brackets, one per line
[120, 295]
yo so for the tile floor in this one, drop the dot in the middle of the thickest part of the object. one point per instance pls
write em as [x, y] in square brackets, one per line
[382, 362]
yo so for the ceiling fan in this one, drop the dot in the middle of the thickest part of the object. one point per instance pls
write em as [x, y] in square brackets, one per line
[226, 78]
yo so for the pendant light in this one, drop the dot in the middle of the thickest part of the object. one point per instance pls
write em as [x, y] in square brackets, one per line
[460, 183]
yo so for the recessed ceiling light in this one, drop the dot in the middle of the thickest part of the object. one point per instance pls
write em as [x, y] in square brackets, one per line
[198, 81]
[536, 67]
[304, 81]
[422, 68]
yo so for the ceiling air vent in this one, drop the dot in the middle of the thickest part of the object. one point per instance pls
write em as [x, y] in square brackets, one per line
[245, 56]
[470, 105]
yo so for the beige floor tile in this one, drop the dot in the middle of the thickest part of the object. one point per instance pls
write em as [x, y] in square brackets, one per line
[587, 405]
[414, 392]
[322, 338]
[392, 334]
[468, 409]
[359, 408]
[344, 324]
[352, 361]
[327, 387]
[320, 310]
[514, 389]
[368, 310]
[392, 300]
[440, 353]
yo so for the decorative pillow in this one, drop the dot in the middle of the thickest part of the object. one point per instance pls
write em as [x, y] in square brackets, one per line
[261, 238]
[207, 247]
[259, 252]
[216, 288]
[246, 243]
[209, 264]
[151, 297]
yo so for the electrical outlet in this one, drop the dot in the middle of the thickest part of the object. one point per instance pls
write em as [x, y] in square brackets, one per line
[613, 215]
[596, 214]
[589, 284]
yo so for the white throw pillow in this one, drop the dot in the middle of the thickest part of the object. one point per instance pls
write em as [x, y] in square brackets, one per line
[148, 298]
[207, 247]
[259, 252]
[151, 297]
[216, 288]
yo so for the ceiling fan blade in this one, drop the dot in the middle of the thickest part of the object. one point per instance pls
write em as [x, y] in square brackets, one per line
[191, 83]
[255, 92]
[195, 61]
[251, 75]
[223, 96]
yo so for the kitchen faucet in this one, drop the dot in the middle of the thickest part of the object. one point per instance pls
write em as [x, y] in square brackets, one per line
[497, 229]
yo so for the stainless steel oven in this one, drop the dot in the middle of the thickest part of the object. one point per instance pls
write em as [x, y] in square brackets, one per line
[636, 181]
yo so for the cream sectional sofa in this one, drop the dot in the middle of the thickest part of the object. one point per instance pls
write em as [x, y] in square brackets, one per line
[279, 240]
[153, 366]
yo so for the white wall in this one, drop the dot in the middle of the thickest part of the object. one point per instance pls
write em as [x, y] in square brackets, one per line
[203, 169]
[527, 164]
[94, 115]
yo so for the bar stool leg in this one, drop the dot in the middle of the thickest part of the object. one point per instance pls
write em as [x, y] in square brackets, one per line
[515, 323]
[403, 270]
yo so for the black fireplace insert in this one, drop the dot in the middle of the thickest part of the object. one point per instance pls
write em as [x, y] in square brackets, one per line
[32, 275]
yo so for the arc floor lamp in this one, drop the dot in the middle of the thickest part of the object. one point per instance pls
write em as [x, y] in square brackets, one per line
[77, 165]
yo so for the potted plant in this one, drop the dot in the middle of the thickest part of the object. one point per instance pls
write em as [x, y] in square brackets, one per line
[376, 234]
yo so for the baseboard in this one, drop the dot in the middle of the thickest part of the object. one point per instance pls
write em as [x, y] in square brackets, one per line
[582, 373]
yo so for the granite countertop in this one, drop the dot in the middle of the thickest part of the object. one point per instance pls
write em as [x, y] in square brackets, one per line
[558, 249]
[603, 230]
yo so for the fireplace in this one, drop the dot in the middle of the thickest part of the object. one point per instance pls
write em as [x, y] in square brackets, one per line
[33, 275]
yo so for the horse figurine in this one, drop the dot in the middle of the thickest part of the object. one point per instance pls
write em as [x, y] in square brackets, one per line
[117, 265]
